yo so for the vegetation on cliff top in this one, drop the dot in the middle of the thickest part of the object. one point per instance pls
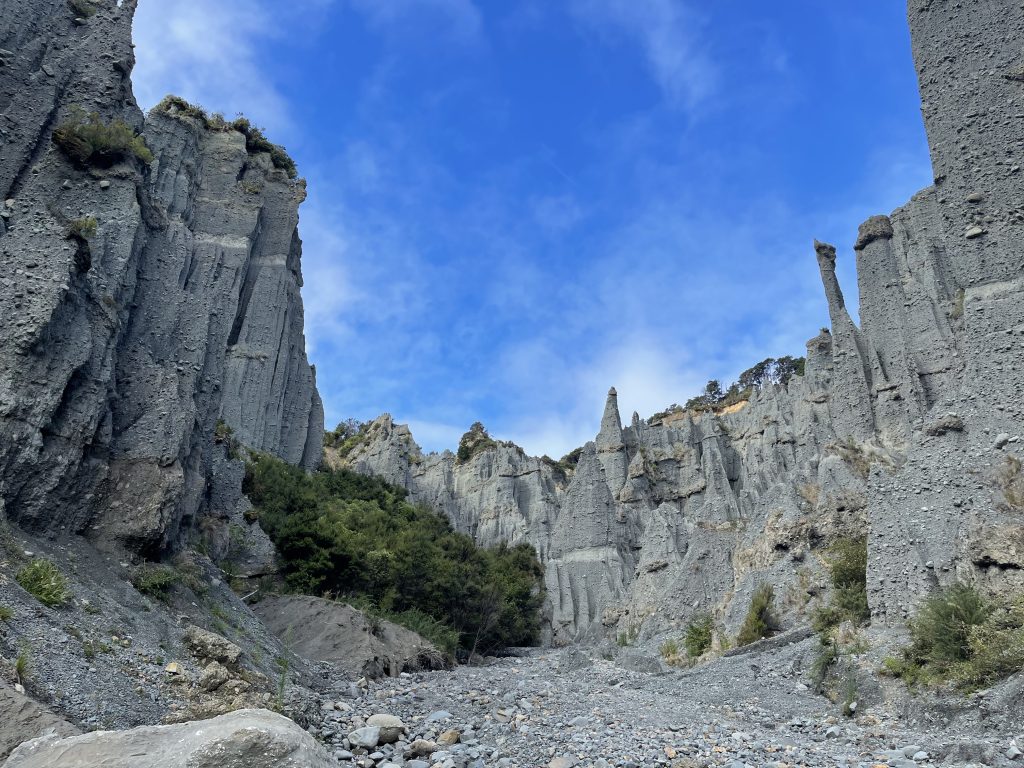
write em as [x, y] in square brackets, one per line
[348, 535]
[344, 438]
[255, 140]
[473, 442]
[769, 371]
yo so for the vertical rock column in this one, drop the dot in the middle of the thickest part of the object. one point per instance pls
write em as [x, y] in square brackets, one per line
[611, 449]
[850, 403]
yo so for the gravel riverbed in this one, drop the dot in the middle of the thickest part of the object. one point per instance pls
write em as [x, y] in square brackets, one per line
[562, 709]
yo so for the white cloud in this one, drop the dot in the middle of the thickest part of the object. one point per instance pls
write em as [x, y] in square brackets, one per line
[668, 33]
[207, 53]
[435, 435]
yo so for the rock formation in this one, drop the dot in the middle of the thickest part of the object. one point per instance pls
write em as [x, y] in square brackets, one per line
[248, 738]
[905, 428]
[124, 347]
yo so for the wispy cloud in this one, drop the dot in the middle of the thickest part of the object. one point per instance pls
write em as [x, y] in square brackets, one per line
[463, 19]
[209, 53]
[668, 32]
[447, 285]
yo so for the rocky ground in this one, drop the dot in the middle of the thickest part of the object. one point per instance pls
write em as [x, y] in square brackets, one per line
[571, 708]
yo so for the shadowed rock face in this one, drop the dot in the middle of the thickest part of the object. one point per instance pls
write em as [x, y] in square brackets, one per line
[115, 367]
[664, 518]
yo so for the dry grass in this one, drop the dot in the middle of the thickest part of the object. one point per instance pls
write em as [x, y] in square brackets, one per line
[1009, 479]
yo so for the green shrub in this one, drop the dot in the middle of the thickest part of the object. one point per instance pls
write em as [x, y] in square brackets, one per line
[358, 537]
[941, 632]
[847, 562]
[699, 634]
[178, 105]
[83, 8]
[155, 580]
[473, 442]
[671, 652]
[960, 637]
[443, 637]
[83, 228]
[827, 655]
[6, 613]
[89, 141]
[256, 141]
[760, 621]
[44, 582]
[23, 663]
[282, 664]
[347, 436]
[996, 646]
[628, 637]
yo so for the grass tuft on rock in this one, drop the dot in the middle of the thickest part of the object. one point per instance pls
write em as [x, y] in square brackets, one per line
[83, 8]
[90, 142]
[44, 582]
[760, 621]
[672, 653]
[83, 228]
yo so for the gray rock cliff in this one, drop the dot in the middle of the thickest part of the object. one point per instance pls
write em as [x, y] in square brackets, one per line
[905, 428]
[122, 350]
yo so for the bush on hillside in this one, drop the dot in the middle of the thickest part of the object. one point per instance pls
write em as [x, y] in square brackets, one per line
[355, 536]
[760, 621]
[698, 634]
[960, 637]
[847, 562]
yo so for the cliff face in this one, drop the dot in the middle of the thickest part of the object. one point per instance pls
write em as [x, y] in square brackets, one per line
[121, 351]
[904, 429]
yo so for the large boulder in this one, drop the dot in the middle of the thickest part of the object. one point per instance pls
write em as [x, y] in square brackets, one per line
[21, 719]
[248, 738]
[322, 630]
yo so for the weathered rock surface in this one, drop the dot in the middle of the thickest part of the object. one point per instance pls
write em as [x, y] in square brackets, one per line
[249, 738]
[21, 719]
[120, 354]
[323, 630]
[905, 428]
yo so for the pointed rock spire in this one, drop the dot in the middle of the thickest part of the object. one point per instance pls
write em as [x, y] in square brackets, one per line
[610, 435]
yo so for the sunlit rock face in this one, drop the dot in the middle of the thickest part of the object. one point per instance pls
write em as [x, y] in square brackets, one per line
[903, 429]
[121, 354]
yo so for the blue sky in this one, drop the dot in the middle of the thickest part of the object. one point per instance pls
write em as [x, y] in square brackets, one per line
[515, 205]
